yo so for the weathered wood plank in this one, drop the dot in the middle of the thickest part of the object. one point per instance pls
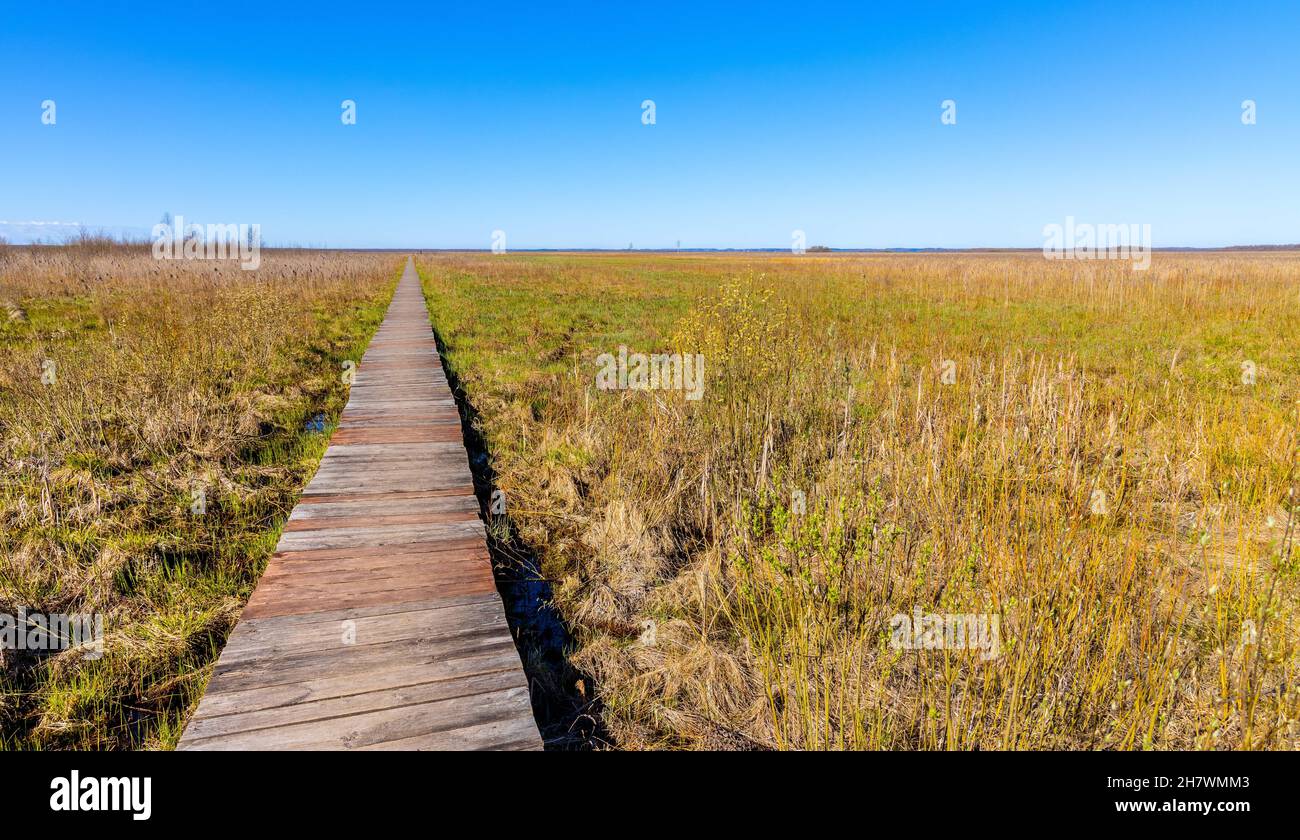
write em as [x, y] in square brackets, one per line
[373, 728]
[285, 591]
[451, 450]
[305, 711]
[400, 566]
[354, 663]
[380, 536]
[454, 490]
[512, 734]
[498, 657]
[399, 433]
[386, 551]
[386, 507]
[377, 624]
[263, 639]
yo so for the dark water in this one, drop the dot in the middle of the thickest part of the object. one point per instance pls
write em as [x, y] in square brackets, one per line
[563, 698]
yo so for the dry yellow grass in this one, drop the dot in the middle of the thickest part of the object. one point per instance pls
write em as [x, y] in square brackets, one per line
[1099, 474]
[126, 385]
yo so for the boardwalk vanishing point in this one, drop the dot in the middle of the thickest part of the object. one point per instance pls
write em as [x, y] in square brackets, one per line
[377, 624]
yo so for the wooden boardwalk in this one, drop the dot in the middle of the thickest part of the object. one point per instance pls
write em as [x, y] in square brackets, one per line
[377, 624]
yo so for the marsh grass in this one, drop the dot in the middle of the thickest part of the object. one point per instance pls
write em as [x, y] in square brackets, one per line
[1098, 475]
[168, 378]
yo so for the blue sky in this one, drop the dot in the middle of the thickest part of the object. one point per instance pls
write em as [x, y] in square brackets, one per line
[769, 118]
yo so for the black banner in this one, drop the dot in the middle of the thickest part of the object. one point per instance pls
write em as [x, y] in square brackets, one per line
[139, 792]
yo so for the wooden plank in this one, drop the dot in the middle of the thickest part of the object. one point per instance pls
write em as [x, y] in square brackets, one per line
[265, 638]
[399, 433]
[375, 727]
[304, 711]
[378, 536]
[292, 669]
[291, 586]
[283, 592]
[398, 564]
[377, 624]
[499, 657]
[386, 507]
[373, 483]
[386, 551]
[453, 490]
[289, 603]
[512, 734]
[449, 450]
[371, 519]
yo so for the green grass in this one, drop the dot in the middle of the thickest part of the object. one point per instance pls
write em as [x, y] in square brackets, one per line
[164, 384]
[1122, 629]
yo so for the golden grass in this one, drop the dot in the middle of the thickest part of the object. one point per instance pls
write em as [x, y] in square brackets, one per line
[1098, 476]
[168, 377]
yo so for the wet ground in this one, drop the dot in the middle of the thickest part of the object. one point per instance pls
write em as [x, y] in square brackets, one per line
[563, 698]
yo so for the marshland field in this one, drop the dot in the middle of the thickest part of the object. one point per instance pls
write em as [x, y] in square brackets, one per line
[156, 427]
[1104, 462]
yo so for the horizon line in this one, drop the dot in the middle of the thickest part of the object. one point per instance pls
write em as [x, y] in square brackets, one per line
[694, 250]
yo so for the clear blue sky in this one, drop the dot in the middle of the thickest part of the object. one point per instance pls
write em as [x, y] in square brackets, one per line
[526, 117]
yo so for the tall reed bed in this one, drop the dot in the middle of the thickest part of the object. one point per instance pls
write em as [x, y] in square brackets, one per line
[152, 440]
[1103, 460]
